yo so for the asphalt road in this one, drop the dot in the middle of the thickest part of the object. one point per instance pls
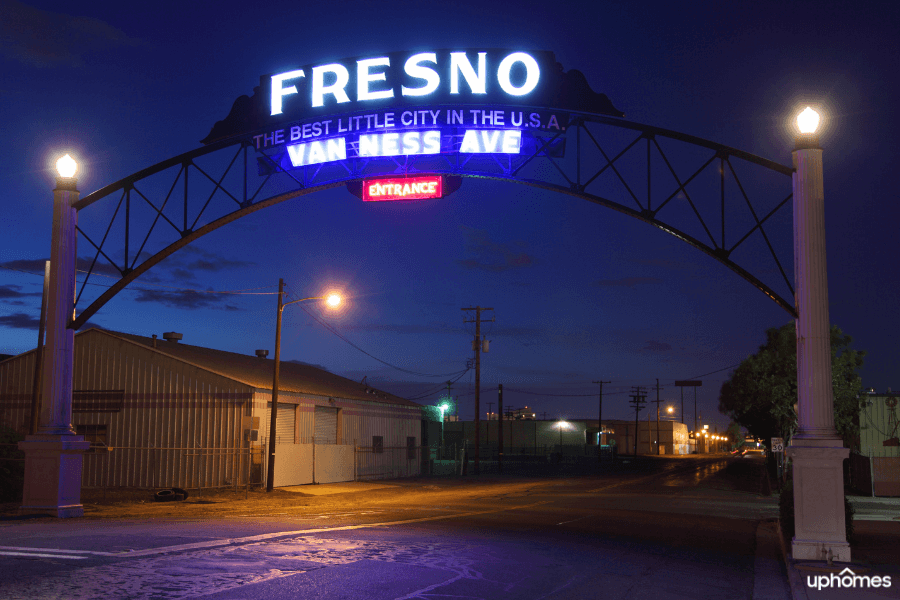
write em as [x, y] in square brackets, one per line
[668, 528]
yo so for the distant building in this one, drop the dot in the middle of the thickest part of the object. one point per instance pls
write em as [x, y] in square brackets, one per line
[160, 413]
[876, 467]
[653, 437]
[573, 436]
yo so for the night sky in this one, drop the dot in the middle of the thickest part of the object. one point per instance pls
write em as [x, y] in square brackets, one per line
[580, 293]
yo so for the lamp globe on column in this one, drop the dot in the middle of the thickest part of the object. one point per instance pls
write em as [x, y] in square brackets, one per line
[808, 121]
[66, 167]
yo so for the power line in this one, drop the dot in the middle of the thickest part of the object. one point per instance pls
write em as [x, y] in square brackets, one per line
[335, 332]
[441, 387]
[562, 395]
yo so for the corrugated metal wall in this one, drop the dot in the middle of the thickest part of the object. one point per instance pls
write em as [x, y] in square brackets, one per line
[179, 425]
[16, 378]
[879, 422]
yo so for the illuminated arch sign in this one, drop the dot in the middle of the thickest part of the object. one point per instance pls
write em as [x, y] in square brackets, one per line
[408, 103]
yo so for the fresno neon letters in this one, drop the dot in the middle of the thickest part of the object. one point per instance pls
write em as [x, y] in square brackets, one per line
[373, 77]
[410, 188]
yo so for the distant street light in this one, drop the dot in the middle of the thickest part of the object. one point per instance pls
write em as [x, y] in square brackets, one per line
[332, 300]
[561, 425]
[443, 407]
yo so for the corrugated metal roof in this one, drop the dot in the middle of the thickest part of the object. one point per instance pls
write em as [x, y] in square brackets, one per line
[258, 372]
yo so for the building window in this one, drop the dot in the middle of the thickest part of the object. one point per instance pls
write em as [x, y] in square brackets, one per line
[410, 448]
[95, 434]
[377, 444]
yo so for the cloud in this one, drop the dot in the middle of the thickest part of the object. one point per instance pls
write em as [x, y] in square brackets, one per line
[654, 346]
[8, 293]
[43, 38]
[20, 321]
[211, 261]
[36, 265]
[491, 256]
[188, 299]
[628, 281]
[182, 274]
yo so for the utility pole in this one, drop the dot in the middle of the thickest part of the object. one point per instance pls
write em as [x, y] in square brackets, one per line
[694, 384]
[544, 415]
[657, 416]
[500, 428]
[477, 346]
[638, 398]
[600, 422]
[273, 416]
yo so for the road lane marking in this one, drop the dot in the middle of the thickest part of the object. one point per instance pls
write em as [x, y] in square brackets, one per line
[55, 550]
[42, 555]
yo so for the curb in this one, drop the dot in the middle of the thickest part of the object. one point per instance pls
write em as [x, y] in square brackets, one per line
[795, 580]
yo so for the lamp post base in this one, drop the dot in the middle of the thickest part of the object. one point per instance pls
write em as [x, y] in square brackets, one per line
[819, 521]
[53, 465]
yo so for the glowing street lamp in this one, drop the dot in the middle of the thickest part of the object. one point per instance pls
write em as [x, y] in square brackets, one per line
[808, 121]
[333, 301]
[66, 167]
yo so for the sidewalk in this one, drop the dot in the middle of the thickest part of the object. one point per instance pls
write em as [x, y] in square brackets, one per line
[874, 551]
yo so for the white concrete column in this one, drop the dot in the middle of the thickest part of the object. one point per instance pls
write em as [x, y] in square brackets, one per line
[816, 449]
[53, 457]
[59, 357]
[814, 387]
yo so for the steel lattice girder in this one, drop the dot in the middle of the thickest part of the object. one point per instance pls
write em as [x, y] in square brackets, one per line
[183, 206]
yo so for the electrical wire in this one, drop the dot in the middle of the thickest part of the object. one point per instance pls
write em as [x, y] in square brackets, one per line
[561, 395]
[711, 373]
[330, 328]
[440, 387]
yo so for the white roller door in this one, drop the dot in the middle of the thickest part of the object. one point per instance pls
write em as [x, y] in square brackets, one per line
[326, 425]
[284, 428]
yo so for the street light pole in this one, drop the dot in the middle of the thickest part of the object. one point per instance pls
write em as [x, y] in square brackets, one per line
[273, 417]
[333, 300]
[600, 421]
[816, 449]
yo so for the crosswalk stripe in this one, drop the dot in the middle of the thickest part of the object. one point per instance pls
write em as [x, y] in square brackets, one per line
[55, 550]
[42, 555]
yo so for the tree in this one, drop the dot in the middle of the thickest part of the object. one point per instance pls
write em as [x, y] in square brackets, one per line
[762, 392]
[735, 435]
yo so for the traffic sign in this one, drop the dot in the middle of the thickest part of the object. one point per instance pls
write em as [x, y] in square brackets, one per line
[777, 445]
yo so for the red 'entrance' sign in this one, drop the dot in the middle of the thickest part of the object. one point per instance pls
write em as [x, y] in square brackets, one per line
[407, 188]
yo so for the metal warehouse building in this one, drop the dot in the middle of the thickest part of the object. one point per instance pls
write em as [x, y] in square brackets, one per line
[160, 413]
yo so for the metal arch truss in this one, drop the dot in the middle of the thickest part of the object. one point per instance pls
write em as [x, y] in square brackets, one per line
[188, 201]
